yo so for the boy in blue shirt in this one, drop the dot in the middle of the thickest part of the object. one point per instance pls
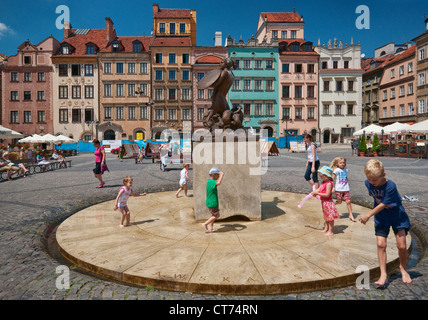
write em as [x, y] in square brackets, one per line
[388, 211]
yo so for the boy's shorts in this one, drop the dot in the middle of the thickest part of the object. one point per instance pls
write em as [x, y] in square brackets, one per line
[214, 211]
[383, 231]
[343, 195]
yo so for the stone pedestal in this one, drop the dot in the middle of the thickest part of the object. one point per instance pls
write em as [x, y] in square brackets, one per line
[240, 191]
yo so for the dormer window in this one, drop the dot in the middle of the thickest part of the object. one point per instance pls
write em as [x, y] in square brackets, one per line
[295, 47]
[90, 49]
[65, 49]
[308, 47]
[136, 46]
[115, 46]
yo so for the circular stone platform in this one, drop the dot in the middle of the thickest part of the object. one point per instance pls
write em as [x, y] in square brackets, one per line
[165, 248]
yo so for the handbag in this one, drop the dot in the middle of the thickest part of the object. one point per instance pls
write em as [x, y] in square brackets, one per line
[104, 168]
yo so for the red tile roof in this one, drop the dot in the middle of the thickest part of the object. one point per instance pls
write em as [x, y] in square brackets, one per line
[389, 59]
[127, 43]
[171, 42]
[281, 16]
[3, 55]
[172, 13]
[79, 41]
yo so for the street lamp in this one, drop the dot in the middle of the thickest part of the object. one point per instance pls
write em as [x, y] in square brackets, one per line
[381, 145]
[149, 104]
[286, 119]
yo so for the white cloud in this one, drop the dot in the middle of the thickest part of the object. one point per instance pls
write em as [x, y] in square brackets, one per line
[4, 29]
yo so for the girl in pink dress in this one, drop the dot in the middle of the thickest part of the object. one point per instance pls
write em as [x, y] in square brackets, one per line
[325, 191]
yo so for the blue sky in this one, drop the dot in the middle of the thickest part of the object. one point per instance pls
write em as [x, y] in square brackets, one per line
[390, 21]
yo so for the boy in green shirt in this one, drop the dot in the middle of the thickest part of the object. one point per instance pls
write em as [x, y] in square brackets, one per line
[216, 176]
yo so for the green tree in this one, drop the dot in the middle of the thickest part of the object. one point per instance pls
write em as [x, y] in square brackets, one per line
[362, 147]
[376, 144]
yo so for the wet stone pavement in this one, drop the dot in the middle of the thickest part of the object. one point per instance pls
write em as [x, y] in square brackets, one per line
[31, 208]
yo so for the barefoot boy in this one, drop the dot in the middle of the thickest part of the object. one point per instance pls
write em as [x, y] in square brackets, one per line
[388, 212]
[216, 176]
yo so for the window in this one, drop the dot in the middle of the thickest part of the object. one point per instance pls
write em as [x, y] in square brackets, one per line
[172, 114]
[143, 68]
[14, 95]
[346, 64]
[119, 90]
[185, 114]
[285, 67]
[131, 89]
[107, 113]
[89, 92]
[392, 73]
[200, 115]
[13, 76]
[298, 68]
[247, 64]
[136, 47]
[236, 84]
[182, 28]
[402, 111]
[89, 69]
[158, 114]
[247, 84]
[385, 112]
[63, 92]
[89, 115]
[159, 94]
[258, 64]
[201, 94]
[324, 65]
[143, 112]
[107, 67]
[339, 86]
[90, 49]
[411, 109]
[186, 58]
[63, 115]
[393, 111]
[65, 50]
[347, 132]
[335, 64]
[41, 116]
[27, 95]
[298, 114]
[76, 116]
[258, 109]
[410, 67]
[338, 110]
[185, 74]
[410, 88]
[40, 76]
[107, 90]
[269, 85]
[120, 113]
[237, 63]
[350, 109]
[27, 76]
[311, 68]
[311, 113]
[172, 58]
[132, 113]
[421, 79]
[401, 70]
[158, 75]
[385, 95]
[326, 85]
[119, 67]
[298, 92]
[308, 47]
[41, 95]
[274, 33]
[350, 85]
[286, 113]
[75, 69]
[27, 59]
[185, 94]
[283, 34]
[269, 64]
[172, 94]
[269, 109]
[14, 117]
[200, 76]
[27, 116]
[76, 92]
[258, 84]
[326, 110]
[286, 91]
[162, 27]
[143, 89]
[422, 54]
[172, 28]
[402, 91]
[421, 106]
[247, 109]
[172, 75]
[131, 68]
[311, 91]
[392, 93]
[293, 34]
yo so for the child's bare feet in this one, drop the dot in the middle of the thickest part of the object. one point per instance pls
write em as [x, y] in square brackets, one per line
[205, 227]
[406, 277]
[329, 233]
[383, 280]
[352, 218]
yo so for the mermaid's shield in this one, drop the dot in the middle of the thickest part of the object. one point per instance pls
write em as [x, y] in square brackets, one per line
[209, 79]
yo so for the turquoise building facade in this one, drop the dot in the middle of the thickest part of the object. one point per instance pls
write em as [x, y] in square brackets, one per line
[255, 87]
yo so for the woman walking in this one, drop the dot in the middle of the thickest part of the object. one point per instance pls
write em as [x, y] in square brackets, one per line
[100, 156]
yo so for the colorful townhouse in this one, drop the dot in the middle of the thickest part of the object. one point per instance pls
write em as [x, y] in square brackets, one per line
[297, 72]
[125, 86]
[340, 95]
[204, 60]
[174, 36]
[27, 94]
[3, 60]
[76, 81]
[255, 87]
[421, 42]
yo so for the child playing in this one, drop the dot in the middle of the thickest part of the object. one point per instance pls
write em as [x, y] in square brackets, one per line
[340, 174]
[184, 176]
[122, 200]
[388, 211]
[325, 192]
[216, 176]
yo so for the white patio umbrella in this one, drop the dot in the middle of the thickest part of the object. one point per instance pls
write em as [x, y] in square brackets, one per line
[371, 129]
[419, 127]
[35, 138]
[6, 133]
[63, 139]
[48, 138]
[396, 128]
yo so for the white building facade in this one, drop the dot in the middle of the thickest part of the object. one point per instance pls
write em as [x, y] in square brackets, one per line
[340, 91]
